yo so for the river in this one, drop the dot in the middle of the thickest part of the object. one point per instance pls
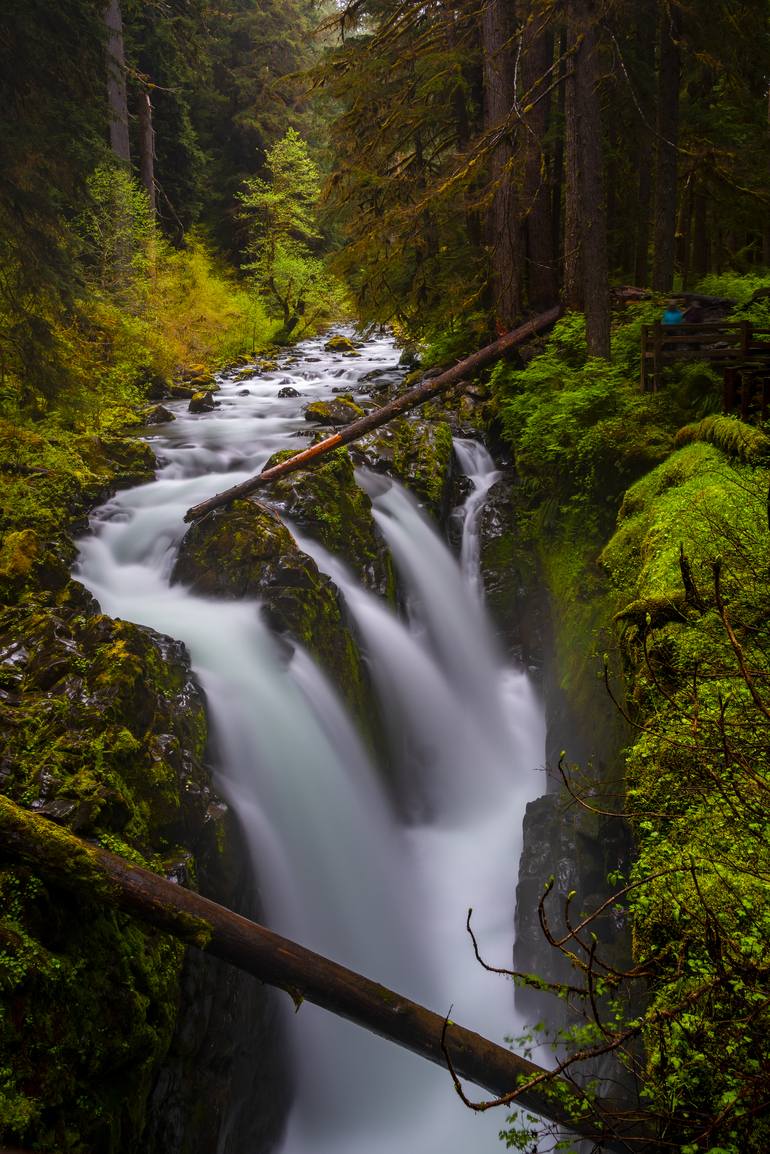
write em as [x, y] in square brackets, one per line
[339, 869]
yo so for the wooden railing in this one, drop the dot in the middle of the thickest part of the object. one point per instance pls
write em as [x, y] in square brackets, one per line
[729, 343]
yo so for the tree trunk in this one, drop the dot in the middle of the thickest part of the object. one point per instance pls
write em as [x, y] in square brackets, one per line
[98, 875]
[700, 238]
[503, 224]
[542, 262]
[666, 157]
[147, 148]
[644, 141]
[558, 175]
[116, 82]
[573, 252]
[408, 400]
[586, 266]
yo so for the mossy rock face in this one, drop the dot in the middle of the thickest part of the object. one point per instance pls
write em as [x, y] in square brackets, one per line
[245, 551]
[340, 411]
[339, 344]
[103, 730]
[327, 504]
[417, 453]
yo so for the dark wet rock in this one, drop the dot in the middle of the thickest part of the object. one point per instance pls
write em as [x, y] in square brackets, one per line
[244, 393]
[289, 391]
[339, 344]
[514, 596]
[225, 1083]
[201, 403]
[578, 850]
[154, 385]
[418, 453]
[341, 411]
[410, 357]
[179, 392]
[159, 415]
[326, 503]
[245, 551]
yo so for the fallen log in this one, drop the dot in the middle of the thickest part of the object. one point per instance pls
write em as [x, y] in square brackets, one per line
[96, 874]
[413, 397]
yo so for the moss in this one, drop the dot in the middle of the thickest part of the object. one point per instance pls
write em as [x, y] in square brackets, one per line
[340, 411]
[245, 551]
[328, 505]
[418, 453]
[736, 439]
[339, 344]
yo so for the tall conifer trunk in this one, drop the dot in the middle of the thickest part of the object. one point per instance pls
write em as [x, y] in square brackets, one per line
[537, 58]
[116, 82]
[503, 223]
[644, 143]
[666, 157]
[586, 275]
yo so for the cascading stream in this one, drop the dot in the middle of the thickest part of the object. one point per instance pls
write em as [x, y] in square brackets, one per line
[340, 868]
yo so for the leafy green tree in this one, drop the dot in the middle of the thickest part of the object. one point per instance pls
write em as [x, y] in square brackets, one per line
[284, 235]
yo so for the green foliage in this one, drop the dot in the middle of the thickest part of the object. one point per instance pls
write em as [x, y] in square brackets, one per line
[579, 431]
[698, 783]
[281, 216]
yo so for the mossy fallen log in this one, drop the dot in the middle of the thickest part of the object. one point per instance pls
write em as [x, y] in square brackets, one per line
[77, 865]
[409, 400]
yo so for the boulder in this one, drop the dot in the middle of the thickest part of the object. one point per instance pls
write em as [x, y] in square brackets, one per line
[339, 344]
[326, 503]
[416, 452]
[245, 551]
[289, 391]
[159, 415]
[201, 403]
[340, 411]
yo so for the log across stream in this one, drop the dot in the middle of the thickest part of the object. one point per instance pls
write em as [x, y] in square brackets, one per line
[339, 868]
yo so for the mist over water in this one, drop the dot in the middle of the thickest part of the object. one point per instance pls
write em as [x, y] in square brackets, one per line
[379, 884]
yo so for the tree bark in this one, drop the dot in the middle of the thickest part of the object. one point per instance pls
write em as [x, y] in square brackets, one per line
[408, 400]
[644, 145]
[542, 262]
[666, 155]
[147, 149]
[503, 223]
[116, 82]
[96, 874]
[586, 266]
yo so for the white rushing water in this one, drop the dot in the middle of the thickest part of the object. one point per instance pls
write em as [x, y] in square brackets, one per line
[339, 869]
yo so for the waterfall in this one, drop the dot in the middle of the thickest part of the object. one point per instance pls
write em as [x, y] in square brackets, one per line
[381, 885]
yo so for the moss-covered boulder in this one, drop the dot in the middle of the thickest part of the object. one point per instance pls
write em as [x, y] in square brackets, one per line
[201, 403]
[418, 453]
[339, 411]
[245, 551]
[159, 415]
[328, 505]
[339, 344]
